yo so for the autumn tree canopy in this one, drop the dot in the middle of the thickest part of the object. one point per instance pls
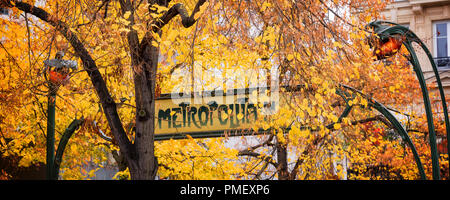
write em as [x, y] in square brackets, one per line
[129, 52]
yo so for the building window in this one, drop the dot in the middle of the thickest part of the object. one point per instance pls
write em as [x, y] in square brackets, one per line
[441, 44]
[3, 11]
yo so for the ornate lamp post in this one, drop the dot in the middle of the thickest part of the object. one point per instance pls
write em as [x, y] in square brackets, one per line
[387, 42]
[58, 73]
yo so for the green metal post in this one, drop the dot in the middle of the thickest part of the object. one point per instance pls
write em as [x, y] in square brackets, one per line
[391, 118]
[62, 145]
[426, 100]
[398, 126]
[50, 132]
[441, 93]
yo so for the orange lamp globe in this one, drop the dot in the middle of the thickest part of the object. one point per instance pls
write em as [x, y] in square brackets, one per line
[57, 78]
[388, 48]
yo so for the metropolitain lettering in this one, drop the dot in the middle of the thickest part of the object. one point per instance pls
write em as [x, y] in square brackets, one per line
[186, 115]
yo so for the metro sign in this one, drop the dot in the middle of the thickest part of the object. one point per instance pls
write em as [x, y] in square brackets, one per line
[213, 113]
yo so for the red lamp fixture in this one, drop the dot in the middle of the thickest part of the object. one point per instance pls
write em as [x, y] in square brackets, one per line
[58, 70]
[387, 47]
[58, 78]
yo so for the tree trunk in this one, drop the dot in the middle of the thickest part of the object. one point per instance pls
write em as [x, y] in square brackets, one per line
[145, 60]
[283, 173]
[144, 166]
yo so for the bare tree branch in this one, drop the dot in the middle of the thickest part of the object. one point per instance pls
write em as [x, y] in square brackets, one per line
[179, 8]
[257, 155]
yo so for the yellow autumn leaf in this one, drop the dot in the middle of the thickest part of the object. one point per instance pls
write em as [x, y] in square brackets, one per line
[265, 5]
[334, 118]
[337, 126]
[266, 126]
[155, 44]
[290, 57]
[73, 148]
[155, 15]
[124, 30]
[391, 88]
[92, 173]
[337, 44]
[126, 15]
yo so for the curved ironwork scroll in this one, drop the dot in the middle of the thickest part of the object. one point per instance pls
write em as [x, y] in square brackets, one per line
[391, 118]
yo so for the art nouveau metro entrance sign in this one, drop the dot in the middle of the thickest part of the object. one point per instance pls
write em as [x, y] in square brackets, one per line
[213, 113]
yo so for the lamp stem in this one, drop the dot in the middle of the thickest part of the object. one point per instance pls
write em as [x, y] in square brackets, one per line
[50, 132]
[426, 100]
[441, 93]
